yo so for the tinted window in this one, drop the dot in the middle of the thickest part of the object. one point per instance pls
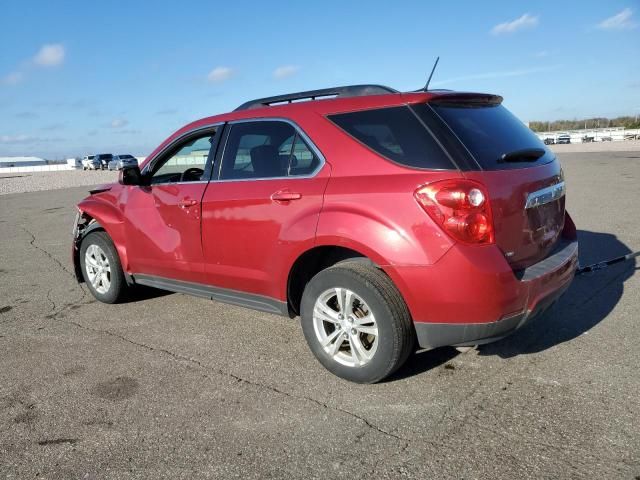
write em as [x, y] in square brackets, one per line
[257, 150]
[302, 161]
[186, 162]
[395, 133]
[488, 132]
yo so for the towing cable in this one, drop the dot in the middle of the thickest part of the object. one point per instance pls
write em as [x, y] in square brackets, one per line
[601, 265]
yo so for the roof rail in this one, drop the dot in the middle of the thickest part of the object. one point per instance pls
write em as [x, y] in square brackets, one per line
[347, 91]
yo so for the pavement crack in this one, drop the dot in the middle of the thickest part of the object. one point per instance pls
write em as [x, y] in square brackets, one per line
[60, 265]
[33, 243]
[239, 379]
[53, 304]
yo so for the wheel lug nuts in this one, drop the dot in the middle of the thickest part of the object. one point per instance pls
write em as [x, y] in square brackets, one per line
[353, 331]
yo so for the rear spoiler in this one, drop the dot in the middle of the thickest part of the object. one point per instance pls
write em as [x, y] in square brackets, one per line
[467, 99]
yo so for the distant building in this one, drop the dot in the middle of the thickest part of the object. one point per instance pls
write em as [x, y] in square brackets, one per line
[21, 161]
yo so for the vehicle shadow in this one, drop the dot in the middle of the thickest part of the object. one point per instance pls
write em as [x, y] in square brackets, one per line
[422, 361]
[588, 301]
[140, 293]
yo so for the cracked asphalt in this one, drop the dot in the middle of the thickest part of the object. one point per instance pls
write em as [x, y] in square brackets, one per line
[171, 386]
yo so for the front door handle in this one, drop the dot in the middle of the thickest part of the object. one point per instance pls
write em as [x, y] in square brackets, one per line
[186, 203]
[285, 196]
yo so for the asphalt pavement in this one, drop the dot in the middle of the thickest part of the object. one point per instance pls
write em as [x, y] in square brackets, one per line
[172, 386]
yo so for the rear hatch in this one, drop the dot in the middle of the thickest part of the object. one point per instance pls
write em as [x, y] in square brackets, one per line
[522, 176]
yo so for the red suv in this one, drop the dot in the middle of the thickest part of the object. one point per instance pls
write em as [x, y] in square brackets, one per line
[384, 219]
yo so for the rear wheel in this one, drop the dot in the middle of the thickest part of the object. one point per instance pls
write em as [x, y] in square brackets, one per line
[101, 268]
[356, 322]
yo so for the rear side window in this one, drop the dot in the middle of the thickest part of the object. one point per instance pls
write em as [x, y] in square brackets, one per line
[395, 133]
[489, 132]
[302, 160]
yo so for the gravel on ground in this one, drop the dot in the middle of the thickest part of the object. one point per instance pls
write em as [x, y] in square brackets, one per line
[37, 181]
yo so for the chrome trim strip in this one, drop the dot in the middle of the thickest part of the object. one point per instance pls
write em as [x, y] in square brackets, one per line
[177, 183]
[296, 127]
[545, 195]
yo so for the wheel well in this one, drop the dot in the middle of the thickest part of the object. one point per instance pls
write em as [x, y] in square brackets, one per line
[312, 262]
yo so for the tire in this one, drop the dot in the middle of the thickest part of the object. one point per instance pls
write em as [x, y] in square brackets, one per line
[370, 292]
[103, 253]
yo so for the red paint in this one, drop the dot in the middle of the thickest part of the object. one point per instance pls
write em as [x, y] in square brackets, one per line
[246, 235]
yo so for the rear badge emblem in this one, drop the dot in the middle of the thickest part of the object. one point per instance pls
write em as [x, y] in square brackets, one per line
[546, 195]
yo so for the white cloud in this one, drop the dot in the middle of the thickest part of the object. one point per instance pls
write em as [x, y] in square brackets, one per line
[285, 71]
[521, 23]
[22, 138]
[620, 21]
[12, 78]
[50, 55]
[497, 74]
[119, 123]
[15, 138]
[220, 74]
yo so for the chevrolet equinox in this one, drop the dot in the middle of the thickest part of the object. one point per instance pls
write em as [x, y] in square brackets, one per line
[387, 221]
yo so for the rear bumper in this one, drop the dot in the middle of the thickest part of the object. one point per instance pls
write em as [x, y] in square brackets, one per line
[433, 335]
[471, 296]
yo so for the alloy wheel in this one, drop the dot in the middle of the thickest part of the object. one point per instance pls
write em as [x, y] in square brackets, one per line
[345, 327]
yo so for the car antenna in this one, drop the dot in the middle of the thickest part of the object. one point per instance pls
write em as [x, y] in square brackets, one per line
[426, 87]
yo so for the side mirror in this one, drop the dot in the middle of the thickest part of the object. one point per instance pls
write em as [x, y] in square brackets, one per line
[130, 176]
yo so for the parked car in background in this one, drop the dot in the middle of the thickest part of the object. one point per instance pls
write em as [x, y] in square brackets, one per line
[549, 141]
[87, 160]
[563, 138]
[74, 163]
[588, 139]
[104, 159]
[606, 138]
[121, 161]
[94, 164]
[384, 219]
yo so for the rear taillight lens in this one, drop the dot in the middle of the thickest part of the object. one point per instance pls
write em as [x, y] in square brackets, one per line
[461, 208]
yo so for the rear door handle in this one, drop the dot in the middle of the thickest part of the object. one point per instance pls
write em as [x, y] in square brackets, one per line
[285, 196]
[186, 203]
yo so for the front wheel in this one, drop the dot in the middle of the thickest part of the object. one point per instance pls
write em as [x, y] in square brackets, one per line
[356, 322]
[101, 267]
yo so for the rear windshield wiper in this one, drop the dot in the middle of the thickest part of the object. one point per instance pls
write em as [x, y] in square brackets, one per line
[523, 155]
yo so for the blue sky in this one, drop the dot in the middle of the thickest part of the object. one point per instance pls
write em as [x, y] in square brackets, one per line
[120, 76]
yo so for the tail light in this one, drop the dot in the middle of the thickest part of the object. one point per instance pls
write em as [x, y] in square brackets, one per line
[461, 207]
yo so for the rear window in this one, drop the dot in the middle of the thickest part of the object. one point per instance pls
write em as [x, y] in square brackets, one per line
[395, 133]
[489, 132]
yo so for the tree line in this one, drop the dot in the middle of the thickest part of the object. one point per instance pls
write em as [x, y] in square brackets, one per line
[597, 122]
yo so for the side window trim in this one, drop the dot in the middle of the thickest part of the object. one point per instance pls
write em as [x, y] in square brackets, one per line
[166, 153]
[298, 132]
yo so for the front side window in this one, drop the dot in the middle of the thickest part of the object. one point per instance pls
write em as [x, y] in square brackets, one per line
[186, 162]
